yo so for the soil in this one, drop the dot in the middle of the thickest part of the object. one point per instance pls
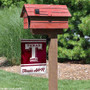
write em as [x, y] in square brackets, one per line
[65, 70]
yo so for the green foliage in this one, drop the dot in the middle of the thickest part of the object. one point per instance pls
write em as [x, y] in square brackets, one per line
[31, 1]
[85, 29]
[71, 46]
[85, 25]
[11, 33]
[12, 3]
[6, 2]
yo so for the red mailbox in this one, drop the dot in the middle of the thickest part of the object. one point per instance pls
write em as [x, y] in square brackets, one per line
[45, 19]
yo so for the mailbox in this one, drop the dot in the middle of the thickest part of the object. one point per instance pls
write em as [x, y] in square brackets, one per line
[45, 19]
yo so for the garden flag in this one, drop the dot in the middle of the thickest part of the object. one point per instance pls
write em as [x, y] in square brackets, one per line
[33, 56]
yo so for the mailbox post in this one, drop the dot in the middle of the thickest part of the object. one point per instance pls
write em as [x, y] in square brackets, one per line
[47, 20]
[53, 79]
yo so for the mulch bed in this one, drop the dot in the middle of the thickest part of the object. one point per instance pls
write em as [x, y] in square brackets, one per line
[65, 71]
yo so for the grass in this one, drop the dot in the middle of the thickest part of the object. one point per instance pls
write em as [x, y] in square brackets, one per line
[12, 80]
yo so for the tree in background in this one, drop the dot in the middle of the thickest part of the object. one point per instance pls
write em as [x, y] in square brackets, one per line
[84, 27]
[72, 44]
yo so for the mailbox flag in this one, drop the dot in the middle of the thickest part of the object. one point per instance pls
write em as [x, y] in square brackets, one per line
[33, 56]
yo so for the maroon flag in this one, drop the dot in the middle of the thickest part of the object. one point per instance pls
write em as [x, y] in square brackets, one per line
[33, 56]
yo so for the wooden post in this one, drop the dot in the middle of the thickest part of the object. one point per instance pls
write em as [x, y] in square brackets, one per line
[53, 80]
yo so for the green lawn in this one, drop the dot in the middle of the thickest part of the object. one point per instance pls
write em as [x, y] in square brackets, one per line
[11, 80]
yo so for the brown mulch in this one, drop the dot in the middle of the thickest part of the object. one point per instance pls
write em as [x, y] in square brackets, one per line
[65, 71]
